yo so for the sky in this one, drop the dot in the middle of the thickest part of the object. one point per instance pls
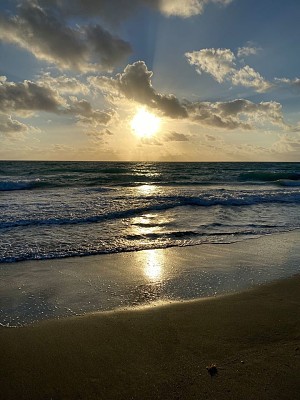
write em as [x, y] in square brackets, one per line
[150, 80]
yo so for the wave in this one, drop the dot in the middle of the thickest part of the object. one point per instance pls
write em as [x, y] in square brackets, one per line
[207, 238]
[258, 176]
[6, 186]
[288, 182]
[166, 203]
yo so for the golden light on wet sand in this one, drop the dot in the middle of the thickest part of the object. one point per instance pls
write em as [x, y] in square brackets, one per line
[153, 265]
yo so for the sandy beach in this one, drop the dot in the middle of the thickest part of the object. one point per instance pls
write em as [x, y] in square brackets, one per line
[253, 338]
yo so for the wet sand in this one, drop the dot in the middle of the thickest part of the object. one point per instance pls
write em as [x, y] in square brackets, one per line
[49, 289]
[253, 338]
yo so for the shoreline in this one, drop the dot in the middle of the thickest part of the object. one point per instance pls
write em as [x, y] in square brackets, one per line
[252, 337]
[49, 289]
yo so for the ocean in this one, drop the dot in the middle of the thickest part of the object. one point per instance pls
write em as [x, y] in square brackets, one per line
[64, 209]
[133, 217]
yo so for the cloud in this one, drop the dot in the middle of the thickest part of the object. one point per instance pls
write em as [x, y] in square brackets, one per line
[184, 8]
[210, 138]
[176, 137]
[248, 50]
[63, 84]
[85, 113]
[217, 62]
[247, 77]
[135, 84]
[28, 96]
[221, 65]
[153, 141]
[49, 38]
[25, 98]
[97, 134]
[239, 113]
[287, 144]
[10, 126]
[290, 83]
[116, 10]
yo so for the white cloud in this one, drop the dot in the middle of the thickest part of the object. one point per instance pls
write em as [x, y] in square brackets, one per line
[247, 77]
[248, 50]
[290, 83]
[217, 62]
[221, 65]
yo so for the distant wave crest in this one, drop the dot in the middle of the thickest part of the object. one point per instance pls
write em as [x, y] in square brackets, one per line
[260, 176]
[6, 186]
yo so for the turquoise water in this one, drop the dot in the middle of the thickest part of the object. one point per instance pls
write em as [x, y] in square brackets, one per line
[64, 209]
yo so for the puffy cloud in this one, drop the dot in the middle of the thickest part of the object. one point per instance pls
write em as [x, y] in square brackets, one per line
[210, 114]
[28, 96]
[249, 78]
[238, 113]
[48, 37]
[135, 84]
[221, 65]
[25, 98]
[217, 62]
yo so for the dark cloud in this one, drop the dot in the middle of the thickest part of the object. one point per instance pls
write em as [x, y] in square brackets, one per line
[116, 10]
[28, 97]
[270, 110]
[135, 84]
[47, 35]
[109, 49]
[238, 113]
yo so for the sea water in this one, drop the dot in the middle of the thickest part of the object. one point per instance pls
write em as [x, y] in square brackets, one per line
[57, 211]
[64, 209]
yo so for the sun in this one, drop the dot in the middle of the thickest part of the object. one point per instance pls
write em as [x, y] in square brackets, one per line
[145, 124]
